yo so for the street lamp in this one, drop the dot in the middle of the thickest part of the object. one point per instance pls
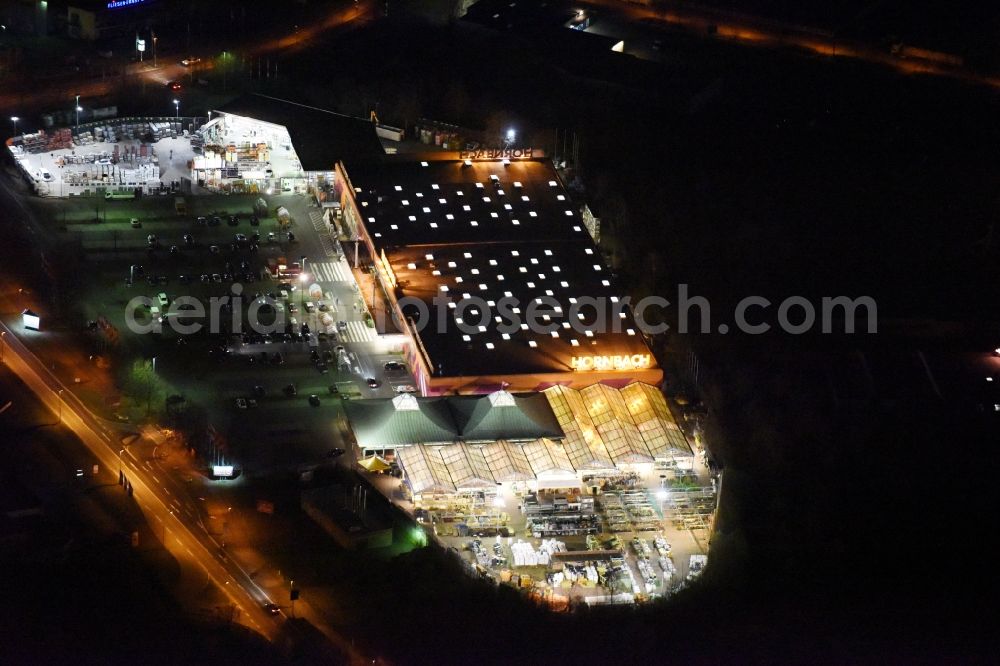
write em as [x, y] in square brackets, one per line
[78, 110]
[59, 393]
[3, 344]
[13, 120]
[177, 108]
[511, 135]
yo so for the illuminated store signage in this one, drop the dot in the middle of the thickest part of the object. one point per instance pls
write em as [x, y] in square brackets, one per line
[116, 4]
[496, 153]
[606, 363]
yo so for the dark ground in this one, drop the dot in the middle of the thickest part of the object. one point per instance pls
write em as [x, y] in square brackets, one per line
[74, 588]
[853, 532]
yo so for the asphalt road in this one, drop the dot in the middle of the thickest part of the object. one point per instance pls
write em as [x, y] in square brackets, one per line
[157, 494]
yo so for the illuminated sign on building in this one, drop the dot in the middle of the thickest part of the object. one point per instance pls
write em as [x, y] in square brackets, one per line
[496, 153]
[117, 4]
[222, 470]
[607, 363]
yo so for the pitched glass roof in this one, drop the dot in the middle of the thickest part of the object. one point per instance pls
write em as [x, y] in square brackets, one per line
[614, 423]
[425, 470]
[507, 462]
[467, 466]
[547, 457]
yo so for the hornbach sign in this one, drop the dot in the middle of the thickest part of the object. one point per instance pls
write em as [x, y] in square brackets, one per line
[605, 363]
[496, 153]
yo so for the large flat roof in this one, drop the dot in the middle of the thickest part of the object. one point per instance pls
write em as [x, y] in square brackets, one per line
[320, 137]
[498, 232]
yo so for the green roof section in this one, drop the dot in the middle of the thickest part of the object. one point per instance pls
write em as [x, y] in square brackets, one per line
[502, 415]
[383, 423]
[406, 419]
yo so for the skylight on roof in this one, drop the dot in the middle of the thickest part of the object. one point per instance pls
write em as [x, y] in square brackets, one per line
[434, 225]
[589, 251]
[473, 223]
[516, 223]
[442, 201]
[489, 345]
[426, 209]
[452, 264]
[560, 197]
[517, 183]
[429, 257]
[399, 188]
[405, 402]
[501, 399]
[435, 187]
[467, 338]
[532, 344]
[475, 271]
[466, 207]
[371, 219]
[449, 216]
[394, 227]
[467, 255]
[412, 218]
[412, 266]
[423, 164]
[405, 202]
[532, 213]
[569, 213]
[553, 183]
[524, 197]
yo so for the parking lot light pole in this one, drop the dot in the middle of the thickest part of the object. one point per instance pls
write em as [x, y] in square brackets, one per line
[59, 393]
[177, 108]
[78, 110]
[3, 344]
[13, 121]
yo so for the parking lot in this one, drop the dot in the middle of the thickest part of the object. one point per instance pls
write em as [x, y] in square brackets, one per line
[143, 247]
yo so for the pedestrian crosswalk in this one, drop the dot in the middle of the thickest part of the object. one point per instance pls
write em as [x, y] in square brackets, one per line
[323, 233]
[331, 271]
[357, 331]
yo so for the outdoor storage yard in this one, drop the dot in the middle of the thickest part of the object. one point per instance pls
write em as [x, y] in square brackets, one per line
[639, 537]
[148, 155]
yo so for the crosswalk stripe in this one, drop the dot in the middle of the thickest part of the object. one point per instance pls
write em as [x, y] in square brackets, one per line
[332, 271]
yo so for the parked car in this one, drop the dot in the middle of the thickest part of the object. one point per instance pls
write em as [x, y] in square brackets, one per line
[314, 400]
[135, 223]
[372, 383]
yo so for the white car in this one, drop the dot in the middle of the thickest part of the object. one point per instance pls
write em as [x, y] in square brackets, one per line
[187, 62]
[405, 388]
[46, 176]
[162, 299]
[310, 307]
